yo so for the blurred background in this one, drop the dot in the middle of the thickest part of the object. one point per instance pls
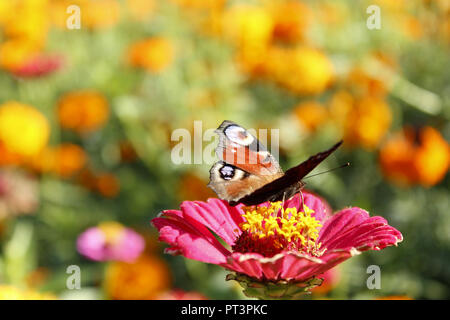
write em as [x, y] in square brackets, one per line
[87, 114]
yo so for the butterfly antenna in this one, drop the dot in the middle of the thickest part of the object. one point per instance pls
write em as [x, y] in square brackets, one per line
[313, 175]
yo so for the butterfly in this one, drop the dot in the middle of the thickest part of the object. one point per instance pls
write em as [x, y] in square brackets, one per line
[247, 173]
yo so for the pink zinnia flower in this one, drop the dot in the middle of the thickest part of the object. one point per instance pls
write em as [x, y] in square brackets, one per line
[110, 241]
[177, 294]
[275, 250]
[39, 65]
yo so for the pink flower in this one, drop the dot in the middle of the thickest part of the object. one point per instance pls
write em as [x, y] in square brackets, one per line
[177, 294]
[273, 242]
[39, 65]
[110, 241]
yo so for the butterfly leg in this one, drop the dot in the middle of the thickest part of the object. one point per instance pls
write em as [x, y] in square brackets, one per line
[301, 199]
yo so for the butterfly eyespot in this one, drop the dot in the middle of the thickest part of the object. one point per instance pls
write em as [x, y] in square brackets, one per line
[238, 135]
[227, 172]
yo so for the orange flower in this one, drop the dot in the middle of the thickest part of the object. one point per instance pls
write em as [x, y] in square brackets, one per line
[15, 53]
[144, 279]
[87, 179]
[37, 277]
[127, 151]
[68, 159]
[291, 20]
[363, 84]
[411, 157]
[107, 185]
[64, 160]
[192, 187]
[311, 115]
[23, 129]
[83, 111]
[412, 27]
[367, 122]
[152, 54]
[8, 158]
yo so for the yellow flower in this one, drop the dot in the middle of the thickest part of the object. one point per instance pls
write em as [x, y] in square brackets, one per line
[200, 4]
[5, 9]
[303, 70]
[28, 20]
[140, 9]
[331, 13]
[269, 230]
[8, 292]
[248, 26]
[15, 53]
[83, 111]
[339, 106]
[98, 14]
[23, 129]
[152, 54]
[144, 279]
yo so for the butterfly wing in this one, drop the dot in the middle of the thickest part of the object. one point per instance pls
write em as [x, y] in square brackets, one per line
[245, 164]
[240, 148]
[288, 184]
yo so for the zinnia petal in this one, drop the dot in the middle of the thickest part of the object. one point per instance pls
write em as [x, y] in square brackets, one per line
[217, 215]
[353, 228]
[189, 241]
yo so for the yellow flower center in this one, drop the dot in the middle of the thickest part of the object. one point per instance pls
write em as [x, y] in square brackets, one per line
[113, 231]
[269, 230]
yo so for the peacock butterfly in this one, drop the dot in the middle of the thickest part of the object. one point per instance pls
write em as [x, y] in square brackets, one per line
[247, 173]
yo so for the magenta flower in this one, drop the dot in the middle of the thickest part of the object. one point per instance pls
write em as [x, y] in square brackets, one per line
[39, 65]
[273, 246]
[110, 241]
[177, 294]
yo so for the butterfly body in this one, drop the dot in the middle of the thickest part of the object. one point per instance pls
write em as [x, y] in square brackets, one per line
[247, 173]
